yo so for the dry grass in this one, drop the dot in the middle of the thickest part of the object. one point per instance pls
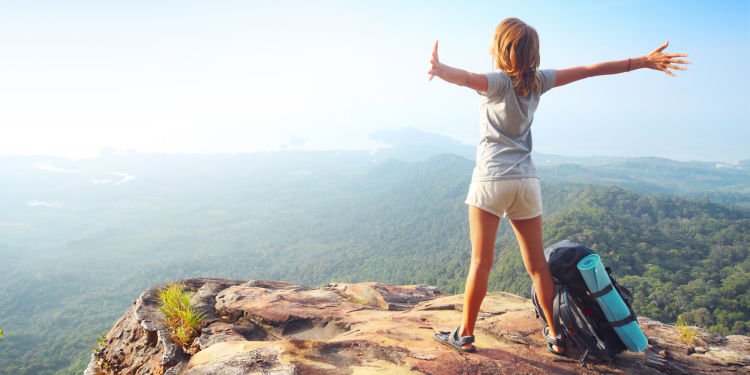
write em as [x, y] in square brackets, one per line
[688, 335]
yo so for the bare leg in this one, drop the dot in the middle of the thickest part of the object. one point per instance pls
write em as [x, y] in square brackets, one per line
[529, 236]
[483, 229]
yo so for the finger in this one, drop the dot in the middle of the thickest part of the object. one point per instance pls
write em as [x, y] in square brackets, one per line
[680, 62]
[663, 46]
[668, 72]
[670, 66]
[434, 49]
[676, 54]
[431, 74]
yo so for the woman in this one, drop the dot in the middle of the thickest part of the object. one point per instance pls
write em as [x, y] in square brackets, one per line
[505, 181]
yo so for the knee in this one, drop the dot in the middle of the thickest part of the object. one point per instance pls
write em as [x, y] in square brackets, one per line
[538, 271]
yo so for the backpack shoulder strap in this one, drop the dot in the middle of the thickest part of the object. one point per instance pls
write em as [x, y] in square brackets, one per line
[559, 289]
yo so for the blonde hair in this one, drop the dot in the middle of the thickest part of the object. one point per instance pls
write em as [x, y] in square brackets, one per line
[515, 50]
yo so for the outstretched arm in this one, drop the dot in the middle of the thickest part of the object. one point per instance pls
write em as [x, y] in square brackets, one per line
[475, 81]
[656, 60]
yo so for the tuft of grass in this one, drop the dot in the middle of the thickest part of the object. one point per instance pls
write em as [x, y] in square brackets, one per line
[688, 336]
[102, 336]
[100, 341]
[182, 319]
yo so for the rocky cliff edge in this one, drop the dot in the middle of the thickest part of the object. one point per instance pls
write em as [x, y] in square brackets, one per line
[274, 327]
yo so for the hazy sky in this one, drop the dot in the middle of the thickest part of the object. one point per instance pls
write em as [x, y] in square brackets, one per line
[235, 76]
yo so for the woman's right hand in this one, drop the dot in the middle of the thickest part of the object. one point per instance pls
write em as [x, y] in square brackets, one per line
[435, 66]
[658, 60]
[476, 82]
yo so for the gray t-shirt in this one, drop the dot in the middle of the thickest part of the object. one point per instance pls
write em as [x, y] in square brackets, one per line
[504, 149]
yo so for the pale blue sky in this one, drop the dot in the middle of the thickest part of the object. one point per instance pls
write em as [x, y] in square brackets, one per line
[236, 76]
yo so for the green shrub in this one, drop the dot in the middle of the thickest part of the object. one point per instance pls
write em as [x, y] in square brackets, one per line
[182, 319]
[100, 341]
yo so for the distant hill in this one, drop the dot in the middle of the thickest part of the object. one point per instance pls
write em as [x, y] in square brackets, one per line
[411, 144]
[716, 181]
[657, 175]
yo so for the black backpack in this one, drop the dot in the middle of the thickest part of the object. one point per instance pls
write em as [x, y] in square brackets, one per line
[576, 313]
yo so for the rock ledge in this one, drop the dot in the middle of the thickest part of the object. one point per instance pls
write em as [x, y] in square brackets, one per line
[274, 327]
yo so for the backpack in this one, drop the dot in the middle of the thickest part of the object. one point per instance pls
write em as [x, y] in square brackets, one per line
[576, 313]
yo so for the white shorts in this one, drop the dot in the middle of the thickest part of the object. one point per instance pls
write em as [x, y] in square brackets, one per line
[516, 199]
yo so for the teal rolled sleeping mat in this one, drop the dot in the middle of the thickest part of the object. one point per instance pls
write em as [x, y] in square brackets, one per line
[614, 308]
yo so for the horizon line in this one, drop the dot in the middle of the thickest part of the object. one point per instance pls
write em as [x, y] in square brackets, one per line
[109, 151]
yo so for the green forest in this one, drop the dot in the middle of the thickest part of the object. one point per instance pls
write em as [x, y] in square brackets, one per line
[681, 258]
[69, 273]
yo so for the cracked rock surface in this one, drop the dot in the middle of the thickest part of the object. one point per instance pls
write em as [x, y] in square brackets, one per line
[275, 327]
